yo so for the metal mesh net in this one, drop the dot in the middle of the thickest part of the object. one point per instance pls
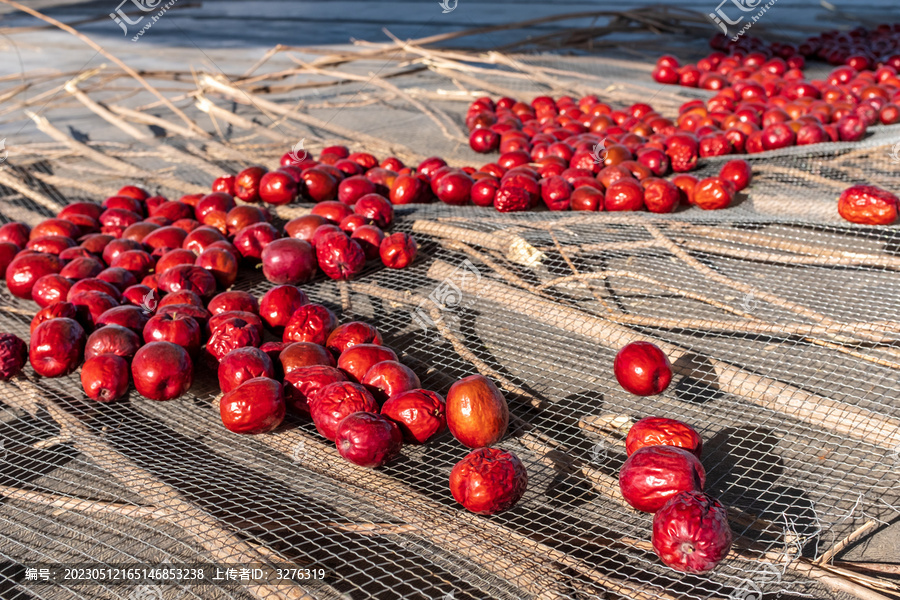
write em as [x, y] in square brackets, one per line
[781, 320]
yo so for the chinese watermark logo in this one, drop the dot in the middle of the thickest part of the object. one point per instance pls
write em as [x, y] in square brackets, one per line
[599, 152]
[298, 154]
[600, 453]
[723, 21]
[895, 152]
[749, 587]
[448, 8]
[149, 302]
[746, 590]
[299, 451]
[146, 592]
[749, 303]
[448, 296]
[121, 19]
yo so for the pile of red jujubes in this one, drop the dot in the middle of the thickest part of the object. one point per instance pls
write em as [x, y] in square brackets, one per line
[763, 93]
[140, 269]
[343, 377]
[134, 299]
[663, 474]
[346, 226]
[764, 101]
[584, 155]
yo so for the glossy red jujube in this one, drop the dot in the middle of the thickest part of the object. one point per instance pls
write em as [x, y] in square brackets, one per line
[162, 371]
[256, 406]
[56, 347]
[477, 413]
[642, 369]
[105, 377]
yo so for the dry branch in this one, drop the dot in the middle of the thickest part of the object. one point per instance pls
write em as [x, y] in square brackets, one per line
[455, 135]
[171, 153]
[371, 142]
[223, 545]
[79, 184]
[515, 557]
[105, 53]
[839, 417]
[514, 247]
[119, 167]
[11, 181]
[206, 105]
[67, 503]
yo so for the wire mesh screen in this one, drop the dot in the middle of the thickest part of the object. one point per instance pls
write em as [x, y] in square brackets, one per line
[781, 321]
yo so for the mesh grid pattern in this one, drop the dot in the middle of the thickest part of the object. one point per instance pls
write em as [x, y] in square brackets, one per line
[396, 532]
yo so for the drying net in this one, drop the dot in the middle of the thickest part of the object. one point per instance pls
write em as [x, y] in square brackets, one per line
[781, 321]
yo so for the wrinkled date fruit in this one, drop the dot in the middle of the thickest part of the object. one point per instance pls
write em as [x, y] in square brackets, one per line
[301, 385]
[105, 377]
[420, 414]
[654, 474]
[477, 413]
[337, 400]
[162, 371]
[511, 199]
[350, 334]
[398, 250]
[56, 347]
[255, 406]
[340, 257]
[865, 204]
[660, 431]
[367, 439]
[642, 369]
[488, 481]
[231, 333]
[691, 533]
[13, 355]
[243, 364]
[310, 323]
